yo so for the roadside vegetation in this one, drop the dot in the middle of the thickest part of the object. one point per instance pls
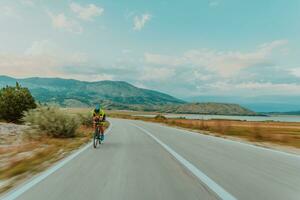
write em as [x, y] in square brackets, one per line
[49, 135]
[52, 122]
[33, 155]
[14, 101]
[42, 136]
[279, 133]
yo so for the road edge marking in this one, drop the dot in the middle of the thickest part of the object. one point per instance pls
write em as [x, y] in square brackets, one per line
[15, 193]
[197, 134]
[218, 190]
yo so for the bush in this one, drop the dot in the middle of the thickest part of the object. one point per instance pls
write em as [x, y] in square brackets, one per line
[160, 117]
[14, 101]
[52, 121]
[86, 119]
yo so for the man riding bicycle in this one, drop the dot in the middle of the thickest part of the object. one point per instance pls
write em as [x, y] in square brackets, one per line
[99, 120]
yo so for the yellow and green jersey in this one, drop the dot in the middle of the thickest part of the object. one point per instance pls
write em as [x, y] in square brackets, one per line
[100, 115]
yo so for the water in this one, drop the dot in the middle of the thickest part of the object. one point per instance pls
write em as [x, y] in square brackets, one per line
[280, 118]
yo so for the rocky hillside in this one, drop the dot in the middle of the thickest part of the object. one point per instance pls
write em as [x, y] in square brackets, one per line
[68, 92]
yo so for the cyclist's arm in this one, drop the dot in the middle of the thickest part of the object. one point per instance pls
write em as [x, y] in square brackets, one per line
[94, 120]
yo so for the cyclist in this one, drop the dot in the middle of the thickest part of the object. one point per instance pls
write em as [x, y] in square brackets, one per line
[99, 119]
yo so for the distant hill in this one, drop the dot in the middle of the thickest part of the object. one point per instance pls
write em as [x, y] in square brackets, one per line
[68, 92]
[116, 95]
[194, 108]
[208, 108]
[262, 103]
[284, 113]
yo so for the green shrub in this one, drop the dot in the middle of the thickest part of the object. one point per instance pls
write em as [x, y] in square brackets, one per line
[86, 119]
[14, 101]
[160, 117]
[52, 121]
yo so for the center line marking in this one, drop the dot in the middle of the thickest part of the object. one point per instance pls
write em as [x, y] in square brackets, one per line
[223, 194]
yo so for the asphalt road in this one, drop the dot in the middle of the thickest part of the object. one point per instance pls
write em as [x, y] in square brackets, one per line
[133, 165]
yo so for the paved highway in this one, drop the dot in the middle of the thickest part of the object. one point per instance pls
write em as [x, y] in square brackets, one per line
[140, 160]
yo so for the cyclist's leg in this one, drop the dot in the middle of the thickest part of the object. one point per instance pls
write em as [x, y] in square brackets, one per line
[101, 128]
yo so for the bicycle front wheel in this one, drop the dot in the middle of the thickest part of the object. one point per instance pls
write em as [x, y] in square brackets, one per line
[96, 139]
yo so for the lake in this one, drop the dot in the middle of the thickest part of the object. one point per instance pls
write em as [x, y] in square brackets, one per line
[280, 118]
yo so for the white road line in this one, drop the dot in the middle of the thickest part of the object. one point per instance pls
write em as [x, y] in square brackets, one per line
[19, 191]
[223, 194]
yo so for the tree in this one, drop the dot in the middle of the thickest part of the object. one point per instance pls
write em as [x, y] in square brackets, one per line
[14, 101]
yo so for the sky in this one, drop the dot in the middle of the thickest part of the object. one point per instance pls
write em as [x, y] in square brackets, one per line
[184, 48]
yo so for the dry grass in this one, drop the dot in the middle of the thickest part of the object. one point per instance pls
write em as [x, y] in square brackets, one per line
[77, 110]
[36, 154]
[282, 133]
[275, 132]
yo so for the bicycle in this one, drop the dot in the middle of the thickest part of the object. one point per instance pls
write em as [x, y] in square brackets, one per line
[97, 135]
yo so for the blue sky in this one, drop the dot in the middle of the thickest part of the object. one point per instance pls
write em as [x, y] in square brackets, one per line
[184, 48]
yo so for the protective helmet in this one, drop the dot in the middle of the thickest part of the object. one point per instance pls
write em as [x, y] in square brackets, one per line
[97, 108]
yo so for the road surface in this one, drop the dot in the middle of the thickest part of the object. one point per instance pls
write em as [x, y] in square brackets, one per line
[134, 164]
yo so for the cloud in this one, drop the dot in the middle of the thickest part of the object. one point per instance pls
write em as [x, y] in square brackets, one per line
[193, 73]
[202, 76]
[156, 74]
[268, 47]
[60, 21]
[210, 72]
[88, 12]
[140, 21]
[224, 63]
[45, 58]
[260, 88]
[214, 3]
[28, 2]
[10, 12]
[40, 59]
[129, 14]
[126, 51]
[43, 47]
[159, 59]
[295, 72]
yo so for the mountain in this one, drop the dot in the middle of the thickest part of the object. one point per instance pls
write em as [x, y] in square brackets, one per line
[188, 108]
[69, 92]
[263, 103]
[115, 95]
